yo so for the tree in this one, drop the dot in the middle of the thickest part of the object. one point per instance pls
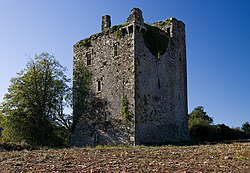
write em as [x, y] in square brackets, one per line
[33, 108]
[198, 117]
[246, 127]
[199, 125]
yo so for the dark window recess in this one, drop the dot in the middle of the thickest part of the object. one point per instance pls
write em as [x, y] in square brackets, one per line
[124, 32]
[168, 30]
[88, 58]
[179, 96]
[98, 85]
[145, 100]
[105, 116]
[130, 29]
[115, 49]
[159, 83]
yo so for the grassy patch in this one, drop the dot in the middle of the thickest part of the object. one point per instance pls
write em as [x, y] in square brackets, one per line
[114, 29]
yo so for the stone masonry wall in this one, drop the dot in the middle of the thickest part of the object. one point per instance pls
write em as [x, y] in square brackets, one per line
[112, 68]
[136, 96]
[161, 106]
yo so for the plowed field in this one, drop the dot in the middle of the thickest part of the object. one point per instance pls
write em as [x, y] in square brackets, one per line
[201, 158]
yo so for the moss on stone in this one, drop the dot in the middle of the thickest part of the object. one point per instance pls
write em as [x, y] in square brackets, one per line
[117, 30]
[85, 43]
[127, 116]
[156, 40]
[114, 29]
[162, 23]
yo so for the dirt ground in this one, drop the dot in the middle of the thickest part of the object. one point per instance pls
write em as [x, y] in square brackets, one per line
[186, 159]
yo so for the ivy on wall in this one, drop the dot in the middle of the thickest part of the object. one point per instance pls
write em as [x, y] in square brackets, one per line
[81, 89]
[127, 116]
[116, 29]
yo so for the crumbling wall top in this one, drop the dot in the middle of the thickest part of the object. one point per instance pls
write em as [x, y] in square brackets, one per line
[136, 16]
[106, 22]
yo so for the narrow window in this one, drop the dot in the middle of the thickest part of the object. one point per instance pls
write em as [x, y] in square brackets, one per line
[130, 29]
[105, 116]
[168, 30]
[179, 96]
[88, 55]
[159, 83]
[180, 58]
[124, 32]
[115, 49]
[145, 99]
[98, 86]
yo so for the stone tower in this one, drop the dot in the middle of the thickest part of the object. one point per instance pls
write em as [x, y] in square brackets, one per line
[136, 84]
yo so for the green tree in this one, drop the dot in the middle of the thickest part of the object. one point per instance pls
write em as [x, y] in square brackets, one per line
[33, 108]
[199, 125]
[246, 127]
[198, 117]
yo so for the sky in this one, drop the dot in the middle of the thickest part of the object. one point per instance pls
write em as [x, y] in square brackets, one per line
[217, 38]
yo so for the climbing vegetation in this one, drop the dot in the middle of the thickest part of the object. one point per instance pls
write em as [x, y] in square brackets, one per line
[126, 114]
[81, 90]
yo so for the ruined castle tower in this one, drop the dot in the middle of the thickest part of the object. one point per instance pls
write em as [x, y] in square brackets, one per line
[130, 84]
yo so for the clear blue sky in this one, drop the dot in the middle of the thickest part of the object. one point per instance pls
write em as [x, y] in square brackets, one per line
[218, 43]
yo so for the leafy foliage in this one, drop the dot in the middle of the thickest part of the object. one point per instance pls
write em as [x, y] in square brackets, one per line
[126, 114]
[33, 108]
[201, 129]
[198, 117]
[117, 30]
[114, 29]
[246, 127]
[85, 43]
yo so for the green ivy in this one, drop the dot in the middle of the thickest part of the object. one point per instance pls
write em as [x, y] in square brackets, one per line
[116, 29]
[81, 90]
[162, 23]
[85, 43]
[126, 114]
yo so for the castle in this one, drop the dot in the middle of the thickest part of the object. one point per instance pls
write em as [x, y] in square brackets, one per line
[130, 84]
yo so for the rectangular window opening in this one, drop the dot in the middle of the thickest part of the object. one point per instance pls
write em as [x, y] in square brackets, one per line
[98, 86]
[115, 49]
[88, 55]
[168, 30]
[159, 83]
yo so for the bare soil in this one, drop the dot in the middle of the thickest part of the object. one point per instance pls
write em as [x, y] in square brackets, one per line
[186, 159]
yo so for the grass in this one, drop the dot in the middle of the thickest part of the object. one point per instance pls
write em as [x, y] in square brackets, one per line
[198, 158]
